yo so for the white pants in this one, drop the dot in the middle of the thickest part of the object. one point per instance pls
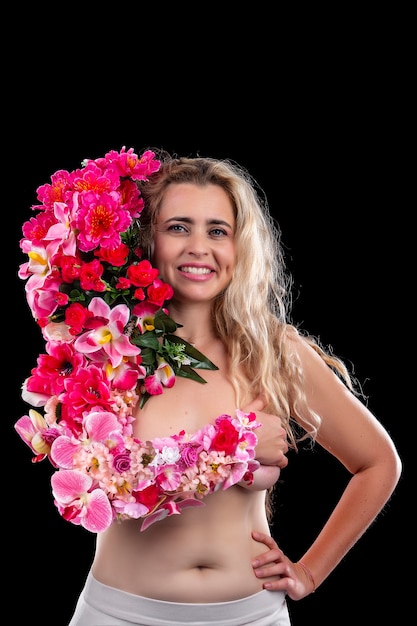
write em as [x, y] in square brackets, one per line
[100, 605]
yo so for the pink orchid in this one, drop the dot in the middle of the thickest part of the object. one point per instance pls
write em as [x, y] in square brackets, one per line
[107, 333]
[37, 433]
[164, 376]
[44, 301]
[101, 426]
[79, 502]
[168, 477]
[61, 232]
[42, 284]
[40, 256]
[169, 508]
[127, 373]
[245, 449]
[245, 420]
[132, 510]
[237, 472]
[145, 314]
[58, 332]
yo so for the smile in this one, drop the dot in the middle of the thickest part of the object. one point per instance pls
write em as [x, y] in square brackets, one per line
[195, 270]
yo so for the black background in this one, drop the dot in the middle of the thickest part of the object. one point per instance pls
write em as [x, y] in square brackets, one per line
[324, 126]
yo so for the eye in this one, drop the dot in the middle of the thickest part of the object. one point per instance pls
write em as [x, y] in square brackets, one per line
[177, 228]
[218, 232]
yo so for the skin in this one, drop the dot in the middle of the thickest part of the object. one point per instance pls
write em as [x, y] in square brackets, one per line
[353, 435]
[224, 551]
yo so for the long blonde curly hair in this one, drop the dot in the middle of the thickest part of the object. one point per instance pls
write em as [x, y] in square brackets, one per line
[252, 315]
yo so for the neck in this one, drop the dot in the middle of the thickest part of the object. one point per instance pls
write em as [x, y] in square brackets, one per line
[196, 340]
[196, 323]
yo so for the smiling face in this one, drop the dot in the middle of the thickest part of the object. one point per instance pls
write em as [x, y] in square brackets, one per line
[193, 244]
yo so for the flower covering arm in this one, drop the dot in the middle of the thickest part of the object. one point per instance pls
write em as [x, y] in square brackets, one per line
[104, 476]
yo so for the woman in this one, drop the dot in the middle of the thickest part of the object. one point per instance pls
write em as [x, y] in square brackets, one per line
[213, 240]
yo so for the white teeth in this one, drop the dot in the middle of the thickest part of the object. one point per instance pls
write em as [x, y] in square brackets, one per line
[195, 270]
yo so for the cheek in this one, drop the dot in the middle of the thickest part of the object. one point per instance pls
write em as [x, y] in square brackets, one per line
[158, 252]
[229, 258]
[164, 257]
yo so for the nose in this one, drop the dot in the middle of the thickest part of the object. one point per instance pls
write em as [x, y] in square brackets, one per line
[197, 244]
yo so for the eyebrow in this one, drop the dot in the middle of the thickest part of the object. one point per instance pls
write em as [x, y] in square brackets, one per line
[189, 220]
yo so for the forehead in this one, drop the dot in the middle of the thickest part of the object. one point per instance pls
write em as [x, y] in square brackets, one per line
[188, 198]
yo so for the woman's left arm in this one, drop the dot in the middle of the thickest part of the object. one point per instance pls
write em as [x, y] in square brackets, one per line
[272, 445]
[351, 433]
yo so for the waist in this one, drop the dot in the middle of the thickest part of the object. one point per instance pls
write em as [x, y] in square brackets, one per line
[123, 605]
[194, 585]
[203, 555]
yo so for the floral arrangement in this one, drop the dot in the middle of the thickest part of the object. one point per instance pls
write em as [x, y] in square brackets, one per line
[106, 475]
[109, 345]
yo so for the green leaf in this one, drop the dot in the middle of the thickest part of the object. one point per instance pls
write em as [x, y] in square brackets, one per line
[187, 372]
[148, 356]
[164, 323]
[198, 359]
[147, 340]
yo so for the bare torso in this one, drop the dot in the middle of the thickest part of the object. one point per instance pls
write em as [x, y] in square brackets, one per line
[204, 554]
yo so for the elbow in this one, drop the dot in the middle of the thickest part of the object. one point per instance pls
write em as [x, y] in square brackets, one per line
[397, 466]
[394, 466]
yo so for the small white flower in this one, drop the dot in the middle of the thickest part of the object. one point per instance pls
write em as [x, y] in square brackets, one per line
[170, 456]
[167, 456]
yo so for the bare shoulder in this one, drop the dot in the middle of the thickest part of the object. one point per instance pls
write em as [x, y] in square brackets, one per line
[307, 351]
[348, 429]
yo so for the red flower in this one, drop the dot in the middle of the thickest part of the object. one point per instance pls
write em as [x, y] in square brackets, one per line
[149, 496]
[159, 292]
[116, 257]
[226, 438]
[142, 274]
[75, 317]
[90, 276]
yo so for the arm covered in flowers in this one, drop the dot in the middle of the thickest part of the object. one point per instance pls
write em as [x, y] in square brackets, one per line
[105, 474]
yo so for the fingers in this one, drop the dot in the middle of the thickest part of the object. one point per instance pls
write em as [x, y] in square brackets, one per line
[272, 553]
[263, 538]
[282, 461]
[270, 564]
[278, 572]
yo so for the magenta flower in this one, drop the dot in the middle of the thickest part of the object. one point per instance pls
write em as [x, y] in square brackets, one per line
[86, 389]
[100, 220]
[52, 369]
